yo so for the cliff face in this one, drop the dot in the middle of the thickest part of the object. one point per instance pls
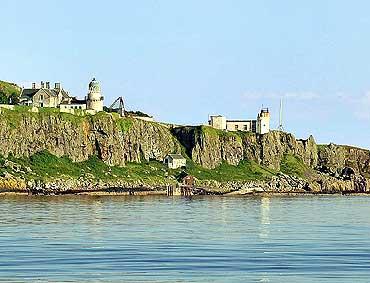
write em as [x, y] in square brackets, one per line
[334, 158]
[117, 141]
[112, 139]
[209, 147]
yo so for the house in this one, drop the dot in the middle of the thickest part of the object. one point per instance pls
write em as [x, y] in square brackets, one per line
[44, 96]
[261, 125]
[174, 161]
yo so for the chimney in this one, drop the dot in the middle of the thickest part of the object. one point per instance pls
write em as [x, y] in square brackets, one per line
[48, 85]
[42, 84]
[57, 86]
[33, 85]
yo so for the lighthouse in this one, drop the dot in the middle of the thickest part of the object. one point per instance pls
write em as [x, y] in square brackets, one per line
[94, 98]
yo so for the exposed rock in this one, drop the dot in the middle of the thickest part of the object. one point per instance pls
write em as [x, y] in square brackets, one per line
[209, 147]
[334, 158]
[116, 141]
[62, 134]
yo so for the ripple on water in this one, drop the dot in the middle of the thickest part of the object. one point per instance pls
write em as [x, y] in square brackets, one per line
[203, 239]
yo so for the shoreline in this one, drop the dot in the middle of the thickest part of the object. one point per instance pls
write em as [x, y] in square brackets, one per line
[134, 193]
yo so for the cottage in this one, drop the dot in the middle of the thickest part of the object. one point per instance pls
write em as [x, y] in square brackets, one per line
[174, 161]
[44, 96]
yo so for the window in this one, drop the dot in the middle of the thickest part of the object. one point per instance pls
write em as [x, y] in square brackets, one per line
[41, 96]
[246, 127]
[236, 127]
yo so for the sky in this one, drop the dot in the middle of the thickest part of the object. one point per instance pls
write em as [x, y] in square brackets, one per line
[183, 60]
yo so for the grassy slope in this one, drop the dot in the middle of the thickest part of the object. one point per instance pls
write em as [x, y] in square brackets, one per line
[8, 90]
[293, 165]
[45, 166]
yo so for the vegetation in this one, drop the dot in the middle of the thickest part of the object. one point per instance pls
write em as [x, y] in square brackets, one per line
[45, 166]
[293, 165]
[124, 124]
[136, 113]
[210, 131]
[245, 171]
[127, 113]
[9, 93]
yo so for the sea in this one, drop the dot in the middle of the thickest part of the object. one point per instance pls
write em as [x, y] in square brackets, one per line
[177, 239]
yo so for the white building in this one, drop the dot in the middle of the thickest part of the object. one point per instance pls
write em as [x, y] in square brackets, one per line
[45, 96]
[263, 121]
[261, 125]
[174, 161]
[94, 99]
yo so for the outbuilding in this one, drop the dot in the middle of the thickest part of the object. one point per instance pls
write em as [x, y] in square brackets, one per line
[174, 161]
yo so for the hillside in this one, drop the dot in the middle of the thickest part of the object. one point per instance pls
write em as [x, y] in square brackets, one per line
[68, 152]
[9, 93]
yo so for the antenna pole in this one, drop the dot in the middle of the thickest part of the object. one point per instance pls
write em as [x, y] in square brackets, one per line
[281, 127]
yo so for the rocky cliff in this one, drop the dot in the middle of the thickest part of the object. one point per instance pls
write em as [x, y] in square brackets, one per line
[210, 147]
[333, 159]
[112, 139]
[119, 141]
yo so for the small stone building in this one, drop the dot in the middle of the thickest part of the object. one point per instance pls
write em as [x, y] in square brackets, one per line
[174, 161]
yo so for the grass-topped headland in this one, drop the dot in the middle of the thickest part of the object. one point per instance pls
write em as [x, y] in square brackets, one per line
[18, 113]
[51, 145]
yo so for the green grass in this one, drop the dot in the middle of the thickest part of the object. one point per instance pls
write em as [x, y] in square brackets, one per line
[245, 171]
[45, 166]
[124, 124]
[293, 165]
[212, 132]
[48, 110]
[7, 91]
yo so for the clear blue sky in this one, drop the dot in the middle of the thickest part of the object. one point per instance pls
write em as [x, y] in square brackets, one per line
[183, 60]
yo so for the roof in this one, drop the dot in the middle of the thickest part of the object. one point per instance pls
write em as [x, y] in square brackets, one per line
[176, 156]
[249, 121]
[30, 92]
[75, 100]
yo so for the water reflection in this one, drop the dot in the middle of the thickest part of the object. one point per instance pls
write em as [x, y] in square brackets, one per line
[265, 218]
[203, 239]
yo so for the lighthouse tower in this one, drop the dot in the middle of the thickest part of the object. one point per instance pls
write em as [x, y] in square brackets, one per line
[263, 121]
[94, 98]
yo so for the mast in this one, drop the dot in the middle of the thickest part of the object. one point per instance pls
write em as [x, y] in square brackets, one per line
[281, 127]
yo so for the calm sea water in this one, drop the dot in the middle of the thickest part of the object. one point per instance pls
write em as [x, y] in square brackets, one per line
[203, 239]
